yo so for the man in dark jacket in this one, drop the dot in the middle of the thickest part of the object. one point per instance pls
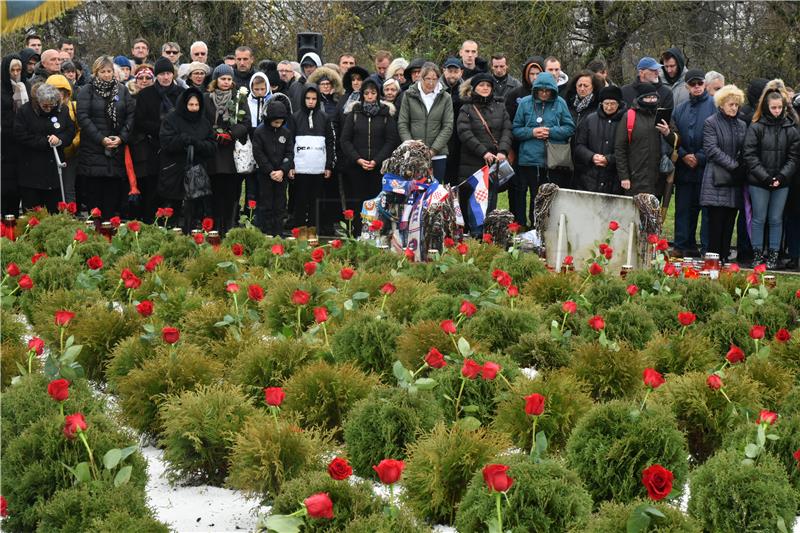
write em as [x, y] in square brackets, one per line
[470, 60]
[273, 150]
[29, 58]
[689, 118]
[503, 81]
[673, 74]
[595, 162]
[451, 81]
[647, 73]
[244, 66]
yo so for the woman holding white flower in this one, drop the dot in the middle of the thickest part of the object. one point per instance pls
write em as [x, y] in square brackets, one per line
[227, 110]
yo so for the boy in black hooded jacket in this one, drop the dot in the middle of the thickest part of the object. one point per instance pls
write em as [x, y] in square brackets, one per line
[273, 149]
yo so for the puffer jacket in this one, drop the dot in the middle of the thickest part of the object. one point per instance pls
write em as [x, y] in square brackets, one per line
[273, 148]
[475, 141]
[689, 118]
[771, 149]
[723, 137]
[554, 114]
[370, 138]
[596, 135]
[92, 158]
[415, 122]
[148, 117]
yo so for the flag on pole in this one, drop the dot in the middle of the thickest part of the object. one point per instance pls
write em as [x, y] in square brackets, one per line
[18, 14]
[479, 199]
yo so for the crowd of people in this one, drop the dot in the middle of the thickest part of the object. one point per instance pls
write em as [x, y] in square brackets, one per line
[306, 140]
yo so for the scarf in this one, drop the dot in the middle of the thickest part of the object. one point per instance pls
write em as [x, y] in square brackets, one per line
[167, 104]
[582, 103]
[221, 99]
[354, 97]
[371, 110]
[482, 100]
[20, 94]
[108, 90]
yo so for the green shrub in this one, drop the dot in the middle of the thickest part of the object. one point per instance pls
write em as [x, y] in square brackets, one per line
[539, 350]
[483, 255]
[785, 291]
[42, 309]
[462, 278]
[628, 322]
[33, 463]
[610, 374]
[704, 414]
[644, 278]
[122, 521]
[199, 428]
[410, 296]
[178, 303]
[128, 354]
[791, 403]
[776, 381]
[663, 309]
[380, 523]
[13, 353]
[438, 307]
[74, 509]
[613, 518]
[176, 251]
[725, 328]
[266, 455]
[54, 272]
[605, 293]
[249, 238]
[203, 272]
[566, 400]
[727, 496]
[143, 390]
[614, 442]
[19, 252]
[13, 330]
[277, 308]
[268, 363]
[48, 224]
[367, 342]
[703, 297]
[439, 466]
[676, 354]
[521, 268]
[350, 500]
[381, 263]
[198, 325]
[384, 423]
[546, 497]
[416, 339]
[550, 288]
[323, 394]
[785, 355]
[500, 327]
[774, 314]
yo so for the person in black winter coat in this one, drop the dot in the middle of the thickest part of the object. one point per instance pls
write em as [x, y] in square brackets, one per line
[273, 149]
[40, 125]
[369, 134]
[582, 95]
[593, 152]
[183, 127]
[8, 143]
[152, 105]
[314, 156]
[772, 151]
[105, 116]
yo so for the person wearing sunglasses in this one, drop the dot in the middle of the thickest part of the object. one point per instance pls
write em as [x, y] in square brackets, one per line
[171, 51]
[142, 77]
[689, 118]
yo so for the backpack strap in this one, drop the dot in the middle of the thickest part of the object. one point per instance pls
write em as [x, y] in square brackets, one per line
[630, 122]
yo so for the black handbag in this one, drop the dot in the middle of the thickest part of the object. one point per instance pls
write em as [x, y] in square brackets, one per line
[722, 177]
[196, 181]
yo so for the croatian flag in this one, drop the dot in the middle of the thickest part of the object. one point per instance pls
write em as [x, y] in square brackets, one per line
[479, 200]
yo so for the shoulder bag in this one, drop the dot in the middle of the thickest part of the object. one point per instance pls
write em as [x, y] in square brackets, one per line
[559, 155]
[196, 181]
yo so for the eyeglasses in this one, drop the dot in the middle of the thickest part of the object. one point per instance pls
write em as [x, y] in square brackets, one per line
[199, 53]
[431, 80]
[145, 78]
[696, 83]
[171, 52]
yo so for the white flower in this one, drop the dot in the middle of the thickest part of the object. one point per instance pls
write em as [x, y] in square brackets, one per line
[243, 91]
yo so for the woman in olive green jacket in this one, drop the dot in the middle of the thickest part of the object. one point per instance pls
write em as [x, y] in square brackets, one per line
[426, 114]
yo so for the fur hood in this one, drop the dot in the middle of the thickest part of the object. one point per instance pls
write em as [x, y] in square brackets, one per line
[336, 79]
[389, 106]
[776, 85]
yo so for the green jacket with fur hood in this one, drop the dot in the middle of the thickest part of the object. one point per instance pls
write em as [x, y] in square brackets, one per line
[416, 123]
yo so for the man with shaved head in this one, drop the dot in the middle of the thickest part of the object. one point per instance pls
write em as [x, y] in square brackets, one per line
[470, 61]
[48, 65]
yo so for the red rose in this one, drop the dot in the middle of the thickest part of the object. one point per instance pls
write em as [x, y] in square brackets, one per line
[336, 244]
[409, 254]
[94, 262]
[597, 323]
[319, 506]
[72, 207]
[159, 212]
[80, 236]
[3, 507]
[376, 225]
[534, 404]
[133, 282]
[95, 212]
[309, 268]
[496, 478]
[170, 335]
[274, 396]
[595, 269]
[658, 482]
[662, 245]
[512, 291]
[609, 253]
[734, 355]
[714, 382]
[12, 270]
[300, 297]
[796, 456]
[134, 226]
[25, 282]
[783, 335]
[652, 378]
[168, 212]
[448, 326]
[145, 308]
[339, 469]
[757, 332]
[489, 370]
[62, 206]
[686, 318]
[752, 279]
[632, 290]
[63, 318]
[613, 225]
[470, 369]
[126, 273]
[347, 273]
[602, 248]
[115, 221]
[73, 423]
[449, 242]
[296, 232]
[36, 345]
[388, 288]
[277, 249]
[468, 308]
[504, 279]
[153, 263]
[797, 293]
[317, 255]
[207, 224]
[232, 288]
[760, 269]
[255, 292]
[33, 222]
[462, 249]
[58, 389]
[320, 315]
[691, 273]
[487, 238]
[348, 214]
[670, 270]
[734, 267]
[514, 227]
[251, 204]
[198, 238]
[652, 238]
[435, 359]
[389, 470]
[237, 249]
[36, 257]
[766, 417]
[569, 307]
[568, 260]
